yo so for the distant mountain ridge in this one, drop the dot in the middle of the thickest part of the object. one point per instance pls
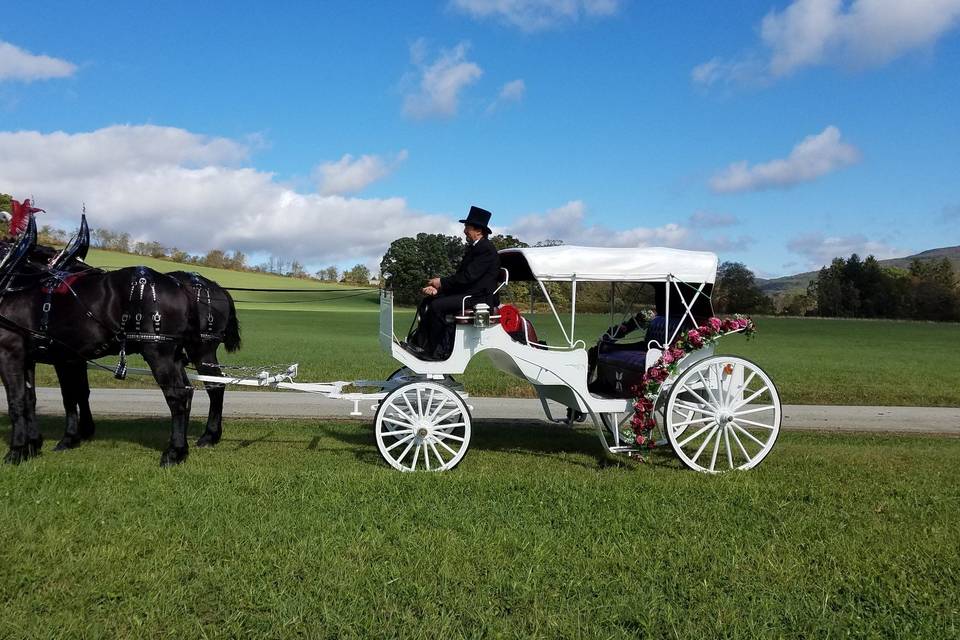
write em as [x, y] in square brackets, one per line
[799, 281]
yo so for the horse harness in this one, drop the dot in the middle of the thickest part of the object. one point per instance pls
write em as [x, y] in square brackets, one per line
[203, 295]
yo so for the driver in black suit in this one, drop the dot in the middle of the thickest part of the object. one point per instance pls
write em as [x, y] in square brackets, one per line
[476, 277]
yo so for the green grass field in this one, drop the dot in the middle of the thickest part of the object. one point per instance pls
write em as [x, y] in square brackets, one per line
[297, 529]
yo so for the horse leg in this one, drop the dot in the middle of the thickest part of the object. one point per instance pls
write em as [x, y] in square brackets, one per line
[82, 397]
[34, 437]
[204, 359]
[69, 386]
[13, 373]
[170, 375]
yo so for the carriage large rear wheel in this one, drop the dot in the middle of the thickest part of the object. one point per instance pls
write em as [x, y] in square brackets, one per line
[723, 413]
[423, 426]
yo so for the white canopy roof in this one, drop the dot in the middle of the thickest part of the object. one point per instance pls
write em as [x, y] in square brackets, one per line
[567, 262]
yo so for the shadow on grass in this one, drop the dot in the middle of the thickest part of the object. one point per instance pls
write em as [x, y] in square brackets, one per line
[528, 438]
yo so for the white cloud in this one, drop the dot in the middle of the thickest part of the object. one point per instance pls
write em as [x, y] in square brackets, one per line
[350, 175]
[17, 64]
[567, 223]
[510, 92]
[189, 191]
[813, 157]
[712, 219]
[856, 34]
[440, 83]
[820, 250]
[536, 15]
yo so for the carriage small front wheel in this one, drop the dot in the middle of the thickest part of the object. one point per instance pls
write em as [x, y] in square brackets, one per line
[723, 413]
[422, 426]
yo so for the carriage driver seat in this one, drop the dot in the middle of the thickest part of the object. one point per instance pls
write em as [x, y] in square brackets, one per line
[467, 313]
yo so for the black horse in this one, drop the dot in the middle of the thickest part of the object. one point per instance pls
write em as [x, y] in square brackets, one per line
[132, 310]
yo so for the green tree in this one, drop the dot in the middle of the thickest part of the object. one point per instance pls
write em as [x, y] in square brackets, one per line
[934, 293]
[410, 262]
[297, 270]
[736, 290]
[359, 274]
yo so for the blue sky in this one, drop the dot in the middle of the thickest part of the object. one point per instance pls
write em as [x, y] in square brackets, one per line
[775, 133]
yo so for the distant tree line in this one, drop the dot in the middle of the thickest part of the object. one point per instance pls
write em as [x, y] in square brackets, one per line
[855, 288]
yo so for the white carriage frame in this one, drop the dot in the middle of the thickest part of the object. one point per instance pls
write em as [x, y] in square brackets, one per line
[557, 372]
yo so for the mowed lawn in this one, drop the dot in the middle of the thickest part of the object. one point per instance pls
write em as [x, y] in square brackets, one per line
[297, 529]
[812, 361]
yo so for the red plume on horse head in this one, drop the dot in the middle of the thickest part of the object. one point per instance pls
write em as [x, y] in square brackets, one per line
[20, 216]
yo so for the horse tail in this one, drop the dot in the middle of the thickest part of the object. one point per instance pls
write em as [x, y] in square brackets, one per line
[231, 335]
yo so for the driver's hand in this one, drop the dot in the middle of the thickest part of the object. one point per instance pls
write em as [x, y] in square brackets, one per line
[434, 283]
[429, 291]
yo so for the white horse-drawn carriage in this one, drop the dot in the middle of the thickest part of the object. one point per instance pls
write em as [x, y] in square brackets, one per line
[717, 412]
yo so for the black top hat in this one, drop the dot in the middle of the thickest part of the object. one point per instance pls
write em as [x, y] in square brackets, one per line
[479, 218]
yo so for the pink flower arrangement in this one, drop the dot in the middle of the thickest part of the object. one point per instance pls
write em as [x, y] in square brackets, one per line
[643, 421]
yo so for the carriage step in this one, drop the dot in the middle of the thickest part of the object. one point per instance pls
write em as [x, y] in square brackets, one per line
[624, 448]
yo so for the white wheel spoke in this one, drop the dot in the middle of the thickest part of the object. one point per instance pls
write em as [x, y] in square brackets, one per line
[743, 385]
[413, 412]
[403, 455]
[713, 398]
[444, 445]
[689, 438]
[746, 433]
[440, 406]
[704, 444]
[756, 424]
[396, 433]
[447, 415]
[447, 436]
[400, 412]
[752, 396]
[745, 412]
[429, 410]
[743, 450]
[716, 448]
[420, 411]
[689, 390]
[416, 456]
[689, 422]
[398, 423]
[683, 404]
[433, 448]
[399, 442]
[452, 425]
[726, 440]
[426, 454]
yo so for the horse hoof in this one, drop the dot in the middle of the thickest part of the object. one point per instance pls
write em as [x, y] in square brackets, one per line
[14, 456]
[173, 457]
[208, 440]
[67, 443]
[34, 447]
